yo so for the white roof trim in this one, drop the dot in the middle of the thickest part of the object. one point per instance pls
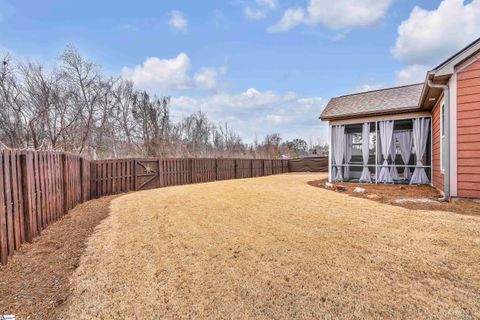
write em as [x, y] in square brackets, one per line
[449, 67]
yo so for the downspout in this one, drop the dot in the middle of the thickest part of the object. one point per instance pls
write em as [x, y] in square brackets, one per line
[446, 142]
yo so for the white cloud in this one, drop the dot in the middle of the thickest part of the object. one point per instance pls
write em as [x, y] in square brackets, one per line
[414, 73]
[290, 19]
[207, 78]
[278, 119]
[259, 112]
[429, 37]
[161, 74]
[271, 4]
[337, 15]
[254, 14]
[249, 99]
[260, 10]
[367, 87]
[178, 21]
[157, 74]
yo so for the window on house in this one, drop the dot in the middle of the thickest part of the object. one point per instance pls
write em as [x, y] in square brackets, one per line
[442, 133]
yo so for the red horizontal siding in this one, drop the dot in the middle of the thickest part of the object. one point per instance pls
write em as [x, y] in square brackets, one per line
[468, 131]
[469, 177]
[470, 74]
[468, 90]
[468, 162]
[468, 106]
[468, 114]
[468, 146]
[468, 170]
[468, 138]
[470, 98]
[437, 175]
[467, 83]
[467, 154]
[466, 193]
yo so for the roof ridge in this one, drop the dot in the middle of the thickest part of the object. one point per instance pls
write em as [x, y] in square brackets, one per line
[377, 90]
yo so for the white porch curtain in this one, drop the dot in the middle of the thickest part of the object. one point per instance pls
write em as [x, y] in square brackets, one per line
[348, 155]
[421, 129]
[365, 177]
[338, 138]
[406, 142]
[386, 135]
[393, 155]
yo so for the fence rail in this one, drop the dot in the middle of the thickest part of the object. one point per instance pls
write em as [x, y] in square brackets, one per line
[38, 188]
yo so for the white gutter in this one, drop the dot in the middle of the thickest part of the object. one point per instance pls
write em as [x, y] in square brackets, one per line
[446, 142]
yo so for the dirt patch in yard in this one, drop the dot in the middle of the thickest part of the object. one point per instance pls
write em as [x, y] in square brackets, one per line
[36, 281]
[275, 248]
[397, 194]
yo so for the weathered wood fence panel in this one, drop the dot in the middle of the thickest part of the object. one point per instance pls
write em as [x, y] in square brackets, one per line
[37, 188]
[225, 169]
[317, 164]
[204, 170]
[243, 168]
[257, 167]
[267, 167]
[109, 177]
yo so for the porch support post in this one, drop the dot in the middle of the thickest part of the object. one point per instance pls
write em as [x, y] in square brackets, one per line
[376, 152]
[330, 155]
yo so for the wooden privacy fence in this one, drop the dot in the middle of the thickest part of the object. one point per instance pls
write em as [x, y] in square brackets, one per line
[316, 164]
[109, 177]
[38, 188]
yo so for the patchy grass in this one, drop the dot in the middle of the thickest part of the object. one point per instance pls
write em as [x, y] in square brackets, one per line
[36, 281]
[274, 247]
[389, 193]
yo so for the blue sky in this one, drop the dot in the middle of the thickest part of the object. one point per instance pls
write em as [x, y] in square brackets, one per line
[261, 65]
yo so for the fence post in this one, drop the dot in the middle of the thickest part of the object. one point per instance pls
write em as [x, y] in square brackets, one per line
[26, 167]
[3, 222]
[216, 170]
[93, 180]
[65, 183]
[190, 164]
[81, 179]
[235, 169]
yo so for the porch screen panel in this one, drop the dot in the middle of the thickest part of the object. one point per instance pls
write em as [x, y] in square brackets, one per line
[365, 177]
[338, 133]
[386, 135]
[393, 155]
[421, 129]
[348, 155]
[405, 140]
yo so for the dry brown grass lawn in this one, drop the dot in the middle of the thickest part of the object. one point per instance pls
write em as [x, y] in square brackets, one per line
[276, 248]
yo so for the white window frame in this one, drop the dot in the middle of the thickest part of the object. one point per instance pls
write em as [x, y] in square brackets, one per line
[442, 134]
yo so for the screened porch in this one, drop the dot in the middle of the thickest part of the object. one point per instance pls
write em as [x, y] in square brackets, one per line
[391, 151]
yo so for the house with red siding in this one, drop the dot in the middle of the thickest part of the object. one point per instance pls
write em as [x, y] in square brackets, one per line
[424, 133]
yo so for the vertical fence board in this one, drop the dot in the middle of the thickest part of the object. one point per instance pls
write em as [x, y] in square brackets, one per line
[8, 203]
[3, 214]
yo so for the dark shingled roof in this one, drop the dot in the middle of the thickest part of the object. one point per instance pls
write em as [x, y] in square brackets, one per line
[377, 102]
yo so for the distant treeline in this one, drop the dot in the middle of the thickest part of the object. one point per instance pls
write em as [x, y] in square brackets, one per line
[74, 107]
